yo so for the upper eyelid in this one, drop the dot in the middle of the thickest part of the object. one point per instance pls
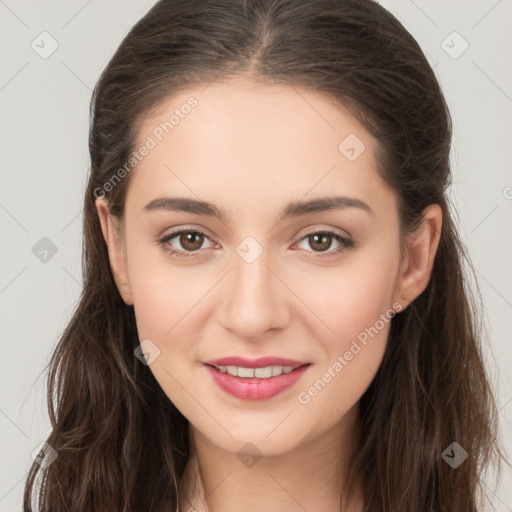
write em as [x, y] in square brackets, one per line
[337, 231]
[186, 229]
[192, 229]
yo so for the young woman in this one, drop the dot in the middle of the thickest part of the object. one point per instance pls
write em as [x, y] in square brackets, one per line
[275, 314]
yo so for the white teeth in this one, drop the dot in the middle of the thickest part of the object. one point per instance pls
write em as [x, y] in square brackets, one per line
[277, 370]
[259, 373]
[245, 372]
[263, 373]
[232, 370]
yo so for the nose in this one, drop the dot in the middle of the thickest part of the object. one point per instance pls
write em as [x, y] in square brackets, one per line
[254, 300]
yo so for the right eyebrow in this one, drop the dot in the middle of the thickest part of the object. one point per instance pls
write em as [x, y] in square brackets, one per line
[185, 204]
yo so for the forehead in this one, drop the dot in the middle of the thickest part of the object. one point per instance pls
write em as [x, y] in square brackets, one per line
[247, 115]
[240, 141]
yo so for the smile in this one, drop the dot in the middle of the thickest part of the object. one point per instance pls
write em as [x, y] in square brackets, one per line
[255, 383]
[258, 373]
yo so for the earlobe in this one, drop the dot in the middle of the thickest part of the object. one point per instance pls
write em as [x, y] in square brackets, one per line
[116, 250]
[422, 245]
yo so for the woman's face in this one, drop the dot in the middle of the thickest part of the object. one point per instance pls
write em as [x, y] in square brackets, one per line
[258, 277]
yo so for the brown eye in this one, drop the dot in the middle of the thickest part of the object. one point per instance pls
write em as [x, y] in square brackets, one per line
[191, 241]
[320, 241]
[184, 242]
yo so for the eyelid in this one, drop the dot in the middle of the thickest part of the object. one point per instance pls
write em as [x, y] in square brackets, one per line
[187, 227]
[345, 243]
[316, 229]
[164, 239]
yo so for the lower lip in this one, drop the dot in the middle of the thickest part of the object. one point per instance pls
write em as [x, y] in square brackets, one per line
[255, 389]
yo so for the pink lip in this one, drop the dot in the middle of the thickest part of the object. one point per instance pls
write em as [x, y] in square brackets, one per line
[262, 362]
[255, 389]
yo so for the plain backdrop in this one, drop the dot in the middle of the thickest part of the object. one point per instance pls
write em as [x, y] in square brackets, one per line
[44, 106]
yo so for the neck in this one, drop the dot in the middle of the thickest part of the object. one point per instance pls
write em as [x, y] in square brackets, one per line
[307, 478]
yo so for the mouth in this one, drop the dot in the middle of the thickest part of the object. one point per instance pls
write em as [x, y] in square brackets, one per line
[255, 383]
[264, 372]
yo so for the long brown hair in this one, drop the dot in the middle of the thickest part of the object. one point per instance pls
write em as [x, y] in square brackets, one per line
[121, 443]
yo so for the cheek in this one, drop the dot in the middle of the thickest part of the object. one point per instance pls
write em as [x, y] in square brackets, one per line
[336, 387]
[163, 292]
[360, 317]
[166, 303]
[350, 298]
[354, 306]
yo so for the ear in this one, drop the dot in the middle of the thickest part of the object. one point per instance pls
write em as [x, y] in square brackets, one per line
[421, 248]
[116, 249]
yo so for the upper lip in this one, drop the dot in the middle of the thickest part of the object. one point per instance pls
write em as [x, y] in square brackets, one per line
[261, 362]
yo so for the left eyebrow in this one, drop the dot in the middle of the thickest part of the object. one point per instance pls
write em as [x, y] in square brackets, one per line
[294, 209]
[321, 204]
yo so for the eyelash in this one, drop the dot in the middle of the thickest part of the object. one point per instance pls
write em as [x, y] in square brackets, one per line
[345, 243]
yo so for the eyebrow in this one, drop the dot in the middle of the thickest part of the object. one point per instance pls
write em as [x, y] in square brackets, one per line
[294, 209]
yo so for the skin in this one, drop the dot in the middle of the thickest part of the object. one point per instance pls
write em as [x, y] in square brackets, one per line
[251, 149]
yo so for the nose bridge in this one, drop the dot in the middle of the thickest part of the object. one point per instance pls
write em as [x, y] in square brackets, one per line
[255, 301]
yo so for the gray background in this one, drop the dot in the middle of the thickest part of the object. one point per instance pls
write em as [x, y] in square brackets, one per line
[44, 132]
